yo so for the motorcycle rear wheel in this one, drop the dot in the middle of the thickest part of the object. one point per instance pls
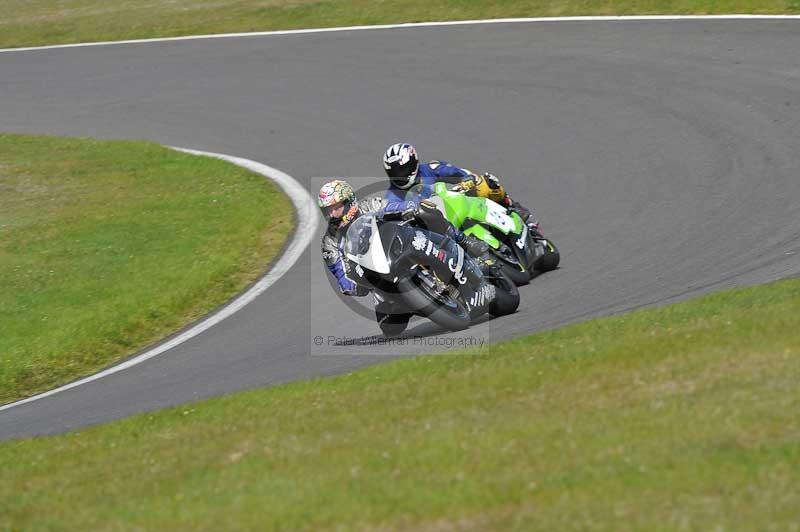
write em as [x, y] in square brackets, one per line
[549, 261]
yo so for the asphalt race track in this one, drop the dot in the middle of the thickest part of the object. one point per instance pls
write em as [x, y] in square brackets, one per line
[662, 157]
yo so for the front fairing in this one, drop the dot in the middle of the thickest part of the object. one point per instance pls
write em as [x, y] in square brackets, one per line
[459, 209]
[520, 244]
[364, 246]
[383, 252]
[487, 221]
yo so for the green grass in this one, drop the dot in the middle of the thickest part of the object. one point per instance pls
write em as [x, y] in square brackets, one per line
[39, 22]
[684, 417]
[107, 246]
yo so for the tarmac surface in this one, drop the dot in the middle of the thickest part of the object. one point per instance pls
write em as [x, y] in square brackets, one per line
[661, 157]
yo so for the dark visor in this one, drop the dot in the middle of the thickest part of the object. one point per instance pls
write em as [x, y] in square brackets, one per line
[326, 211]
[403, 170]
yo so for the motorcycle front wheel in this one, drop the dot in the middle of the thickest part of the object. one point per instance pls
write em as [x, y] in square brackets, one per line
[438, 306]
[506, 298]
[512, 270]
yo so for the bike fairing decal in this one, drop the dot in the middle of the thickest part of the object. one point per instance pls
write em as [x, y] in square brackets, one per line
[496, 215]
[458, 267]
[485, 294]
[523, 237]
[433, 251]
[419, 240]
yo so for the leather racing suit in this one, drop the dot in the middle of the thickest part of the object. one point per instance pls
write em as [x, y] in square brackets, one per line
[487, 186]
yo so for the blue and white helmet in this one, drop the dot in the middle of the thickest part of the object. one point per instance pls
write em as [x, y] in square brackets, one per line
[401, 164]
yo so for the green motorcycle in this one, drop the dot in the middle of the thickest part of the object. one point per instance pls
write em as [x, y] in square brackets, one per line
[521, 251]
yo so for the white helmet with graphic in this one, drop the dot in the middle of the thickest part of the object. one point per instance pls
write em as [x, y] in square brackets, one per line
[401, 164]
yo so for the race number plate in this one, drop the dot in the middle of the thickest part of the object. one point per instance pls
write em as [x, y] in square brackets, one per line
[496, 215]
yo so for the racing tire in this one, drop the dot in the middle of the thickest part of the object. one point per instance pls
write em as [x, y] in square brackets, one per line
[512, 271]
[506, 300]
[445, 311]
[519, 277]
[551, 258]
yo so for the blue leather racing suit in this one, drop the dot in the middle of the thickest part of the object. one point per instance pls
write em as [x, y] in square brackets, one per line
[427, 175]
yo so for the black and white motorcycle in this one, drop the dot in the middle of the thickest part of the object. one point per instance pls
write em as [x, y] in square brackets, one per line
[412, 270]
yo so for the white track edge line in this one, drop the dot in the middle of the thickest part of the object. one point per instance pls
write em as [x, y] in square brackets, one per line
[408, 25]
[307, 219]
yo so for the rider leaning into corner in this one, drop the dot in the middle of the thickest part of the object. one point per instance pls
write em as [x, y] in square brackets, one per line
[408, 178]
[340, 207]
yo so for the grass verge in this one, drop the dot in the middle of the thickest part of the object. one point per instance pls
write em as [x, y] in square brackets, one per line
[106, 246]
[40, 22]
[683, 417]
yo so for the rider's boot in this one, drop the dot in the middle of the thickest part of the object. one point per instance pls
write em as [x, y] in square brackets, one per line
[392, 324]
[526, 215]
[474, 247]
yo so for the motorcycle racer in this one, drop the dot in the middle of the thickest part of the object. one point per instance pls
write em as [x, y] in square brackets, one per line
[340, 207]
[402, 166]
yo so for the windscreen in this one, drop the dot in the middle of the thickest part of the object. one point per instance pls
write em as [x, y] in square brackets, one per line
[363, 245]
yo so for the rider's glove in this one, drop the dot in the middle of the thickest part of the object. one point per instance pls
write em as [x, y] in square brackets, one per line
[467, 184]
[400, 210]
[410, 211]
